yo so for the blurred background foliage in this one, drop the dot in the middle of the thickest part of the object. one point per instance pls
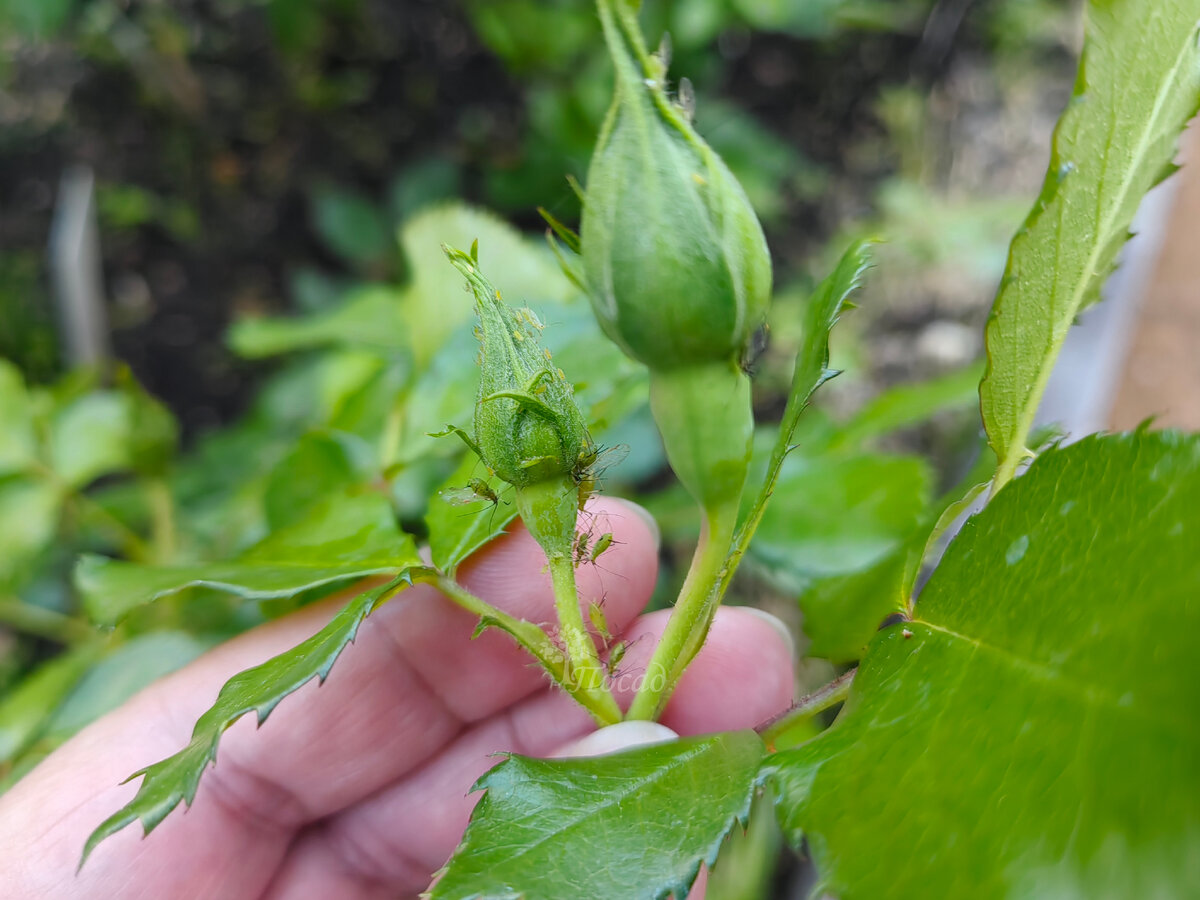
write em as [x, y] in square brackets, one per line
[274, 181]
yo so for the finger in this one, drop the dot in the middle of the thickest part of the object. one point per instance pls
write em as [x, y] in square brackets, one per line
[401, 835]
[375, 718]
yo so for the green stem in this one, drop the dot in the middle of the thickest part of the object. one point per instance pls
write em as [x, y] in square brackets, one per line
[162, 517]
[808, 706]
[43, 623]
[599, 702]
[586, 669]
[690, 619]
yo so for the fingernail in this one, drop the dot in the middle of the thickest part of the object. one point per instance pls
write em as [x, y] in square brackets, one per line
[776, 623]
[622, 736]
[642, 514]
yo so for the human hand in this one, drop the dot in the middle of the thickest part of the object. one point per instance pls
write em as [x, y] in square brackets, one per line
[358, 788]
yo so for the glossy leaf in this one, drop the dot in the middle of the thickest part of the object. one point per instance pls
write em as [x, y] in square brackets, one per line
[456, 530]
[635, 825]
[258, 690]
[1034, 731]
[1138, 84]
[345, 537]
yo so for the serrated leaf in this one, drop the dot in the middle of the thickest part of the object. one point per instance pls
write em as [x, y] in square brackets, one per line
[811, 370]
[259, 690]
[345, 537]
[823, 310]
[1138, 84]
[635, 825]
[1034, 731]
[457, 530]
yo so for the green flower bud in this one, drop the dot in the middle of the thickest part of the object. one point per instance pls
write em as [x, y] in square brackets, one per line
[673, 255]
[528, 428]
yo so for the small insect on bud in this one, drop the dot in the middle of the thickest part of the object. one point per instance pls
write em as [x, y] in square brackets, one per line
[528, 428]
[674, 257]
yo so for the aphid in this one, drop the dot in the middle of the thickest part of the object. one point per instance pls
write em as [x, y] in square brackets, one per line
[579, 551]
[599, 621]
[592, 463]
[754, 350]
[615, 656]
[602, 543]
[476, 491]
[685, 97]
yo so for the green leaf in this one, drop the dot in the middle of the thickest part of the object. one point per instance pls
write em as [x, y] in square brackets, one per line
[1138, 84]
[1034, 731]
[345, 537]
[36, 19]
[29, 510]
[832, 515]
[456, 530]
[153, 434]
[18, 443]
[173, 780]
[122, 673]
[351, 225]
[370, 316]
[317, 466]
[911, 404]
[811, 371]
[843, 612]
[90, 436]
[633, 825]
[27, 708]
[435, 302]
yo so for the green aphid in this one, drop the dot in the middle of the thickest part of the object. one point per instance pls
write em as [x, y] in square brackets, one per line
[599, 621]
[615, 656]
[602, 543]
[476, 491]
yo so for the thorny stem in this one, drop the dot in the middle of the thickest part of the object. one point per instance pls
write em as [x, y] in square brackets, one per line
[597, 701]
[806, 707]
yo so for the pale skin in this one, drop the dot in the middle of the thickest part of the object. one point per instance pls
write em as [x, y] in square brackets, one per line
[358, 789]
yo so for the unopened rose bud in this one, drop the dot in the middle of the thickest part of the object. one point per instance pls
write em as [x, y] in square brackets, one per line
[528, 428]
[673, 255]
